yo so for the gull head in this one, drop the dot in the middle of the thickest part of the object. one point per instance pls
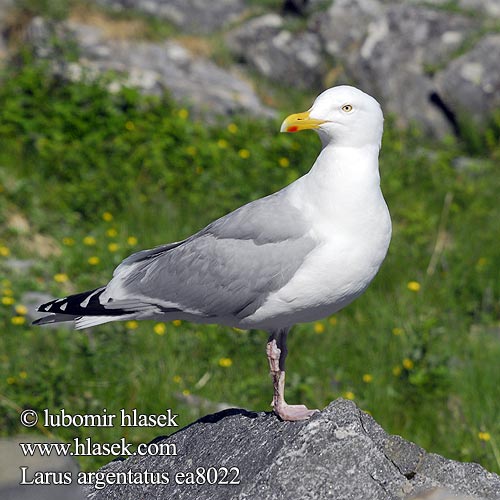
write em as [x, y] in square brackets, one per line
[344, 116]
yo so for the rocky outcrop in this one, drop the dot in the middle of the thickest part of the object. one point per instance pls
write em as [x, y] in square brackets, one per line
[16, 468]
[471, 84]
[194, 16]
[291, 59]
[424, 61]
[339, 453]
[152, 67]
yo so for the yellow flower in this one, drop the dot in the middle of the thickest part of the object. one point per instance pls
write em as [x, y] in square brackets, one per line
[131, 325]
[160, 328]
[413, 286]
[7, 291]
[4, 251]
[319, 327]
[233, 128]
[183, 114]
[107, 216]
[111, 232]
[244, 153]
[408, 364]
[191, 151]
[186, 392]
[68, 241]
[21, 310]
[132, 241]
[18, 320]
[348, 395]
[130, 126]
[89, 241]
[484, 436]
[397, 331]
[5, 283]
[396, 371]
[333, 320]
[367, 378]
[177, 322]
[284, 162]
[225, 362]
[222, 143]
[177, 379]
[7, 301]
[60, 277]
[11, 380]
[23, 374]
[113, 247]
[93, 261]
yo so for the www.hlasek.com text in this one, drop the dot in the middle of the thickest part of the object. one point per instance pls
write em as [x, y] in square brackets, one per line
[88, 448]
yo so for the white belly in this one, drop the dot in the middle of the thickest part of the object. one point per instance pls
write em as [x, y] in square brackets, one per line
[333, 275]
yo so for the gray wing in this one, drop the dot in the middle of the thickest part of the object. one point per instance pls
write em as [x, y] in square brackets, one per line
[226, 269]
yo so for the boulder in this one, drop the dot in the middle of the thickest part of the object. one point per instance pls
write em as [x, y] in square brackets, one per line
[151, 67]
[289, 58]
[471, 84]
[340, 452]
[16, 468]
[486, 7]
[193, 16]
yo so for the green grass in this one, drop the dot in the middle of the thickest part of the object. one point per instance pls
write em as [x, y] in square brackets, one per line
[424, 362]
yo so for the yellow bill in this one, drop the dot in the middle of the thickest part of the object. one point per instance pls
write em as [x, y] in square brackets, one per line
[300, 121]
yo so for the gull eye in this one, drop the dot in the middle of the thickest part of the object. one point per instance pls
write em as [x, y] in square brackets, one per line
[346, 108]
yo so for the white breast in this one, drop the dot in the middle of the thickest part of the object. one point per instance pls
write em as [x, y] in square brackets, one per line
[351, 225]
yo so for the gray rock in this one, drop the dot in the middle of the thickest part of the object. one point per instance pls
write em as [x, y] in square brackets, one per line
[21, 266]
[151, 67]
[195, 16]
[12, 458]
[471, 83]
[487, 7]
[291, 59]
[339, 453]
[391, 50]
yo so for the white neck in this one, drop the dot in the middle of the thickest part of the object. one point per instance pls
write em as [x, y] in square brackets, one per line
[341, 181]
[338, 164]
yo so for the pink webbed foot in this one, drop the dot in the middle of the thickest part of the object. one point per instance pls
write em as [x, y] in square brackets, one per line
[294, 412]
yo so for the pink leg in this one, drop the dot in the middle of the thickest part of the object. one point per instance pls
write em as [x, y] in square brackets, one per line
[280, 406]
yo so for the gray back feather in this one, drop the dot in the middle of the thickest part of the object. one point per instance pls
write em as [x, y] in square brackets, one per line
[228, 268]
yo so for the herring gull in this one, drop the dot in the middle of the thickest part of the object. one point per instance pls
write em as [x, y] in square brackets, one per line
[295, 256]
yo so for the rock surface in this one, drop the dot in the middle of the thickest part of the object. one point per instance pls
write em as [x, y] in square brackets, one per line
[471, 83]
[194, 16]
[426, 61]
[12, 458]
[339, 453]
[293, 59]
[151, 67]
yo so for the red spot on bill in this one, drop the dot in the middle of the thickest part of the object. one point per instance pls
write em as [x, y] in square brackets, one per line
[293, 128]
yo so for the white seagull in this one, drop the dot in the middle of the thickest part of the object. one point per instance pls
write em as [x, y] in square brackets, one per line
[294, 256]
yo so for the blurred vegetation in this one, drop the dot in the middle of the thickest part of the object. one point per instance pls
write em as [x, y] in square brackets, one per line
[88, 176]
